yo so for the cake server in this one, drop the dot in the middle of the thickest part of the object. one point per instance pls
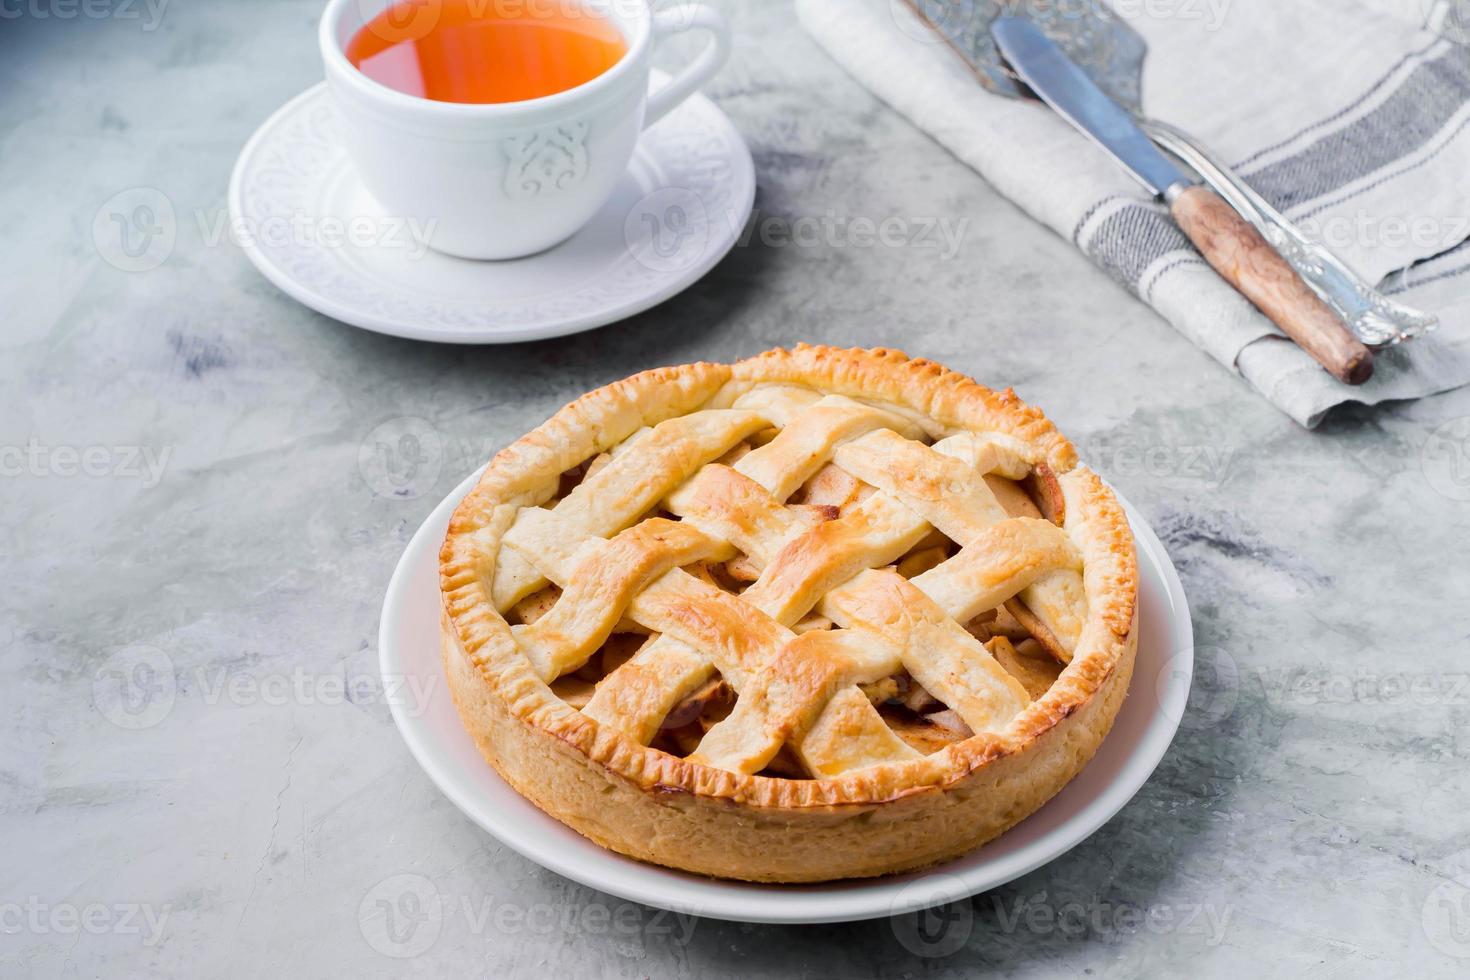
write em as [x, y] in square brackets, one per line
[1230, 243]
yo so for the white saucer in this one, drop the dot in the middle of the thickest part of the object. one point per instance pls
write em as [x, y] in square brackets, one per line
[408, 642]
[680, 207]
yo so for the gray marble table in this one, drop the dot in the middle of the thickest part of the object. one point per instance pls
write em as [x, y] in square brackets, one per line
[181, 489]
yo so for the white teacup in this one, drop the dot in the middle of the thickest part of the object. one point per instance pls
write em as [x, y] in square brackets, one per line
[502, 180]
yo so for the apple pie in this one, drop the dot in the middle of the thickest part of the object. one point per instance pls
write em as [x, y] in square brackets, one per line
[818, 614]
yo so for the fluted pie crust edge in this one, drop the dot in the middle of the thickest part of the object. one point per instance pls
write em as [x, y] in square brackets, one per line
[882, 819]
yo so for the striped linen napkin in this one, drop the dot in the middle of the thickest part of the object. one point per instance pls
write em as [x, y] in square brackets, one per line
[1351, 116]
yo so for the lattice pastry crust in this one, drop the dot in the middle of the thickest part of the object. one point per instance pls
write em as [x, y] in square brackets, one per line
[819, 614]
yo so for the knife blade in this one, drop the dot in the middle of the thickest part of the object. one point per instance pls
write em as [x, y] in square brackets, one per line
[1048, 72]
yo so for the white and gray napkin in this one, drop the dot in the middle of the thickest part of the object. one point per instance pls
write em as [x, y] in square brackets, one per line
[1351, 116]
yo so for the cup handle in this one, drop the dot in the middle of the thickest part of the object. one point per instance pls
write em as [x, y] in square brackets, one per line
[669, 22]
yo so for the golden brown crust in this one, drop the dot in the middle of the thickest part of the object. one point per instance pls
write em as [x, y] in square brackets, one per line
[873, 820]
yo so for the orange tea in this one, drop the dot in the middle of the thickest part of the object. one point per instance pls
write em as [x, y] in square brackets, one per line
[485, 51]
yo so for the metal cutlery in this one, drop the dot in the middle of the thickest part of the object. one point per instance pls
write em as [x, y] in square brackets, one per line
[1112, 54]
[1377, 321]
[1228, 242]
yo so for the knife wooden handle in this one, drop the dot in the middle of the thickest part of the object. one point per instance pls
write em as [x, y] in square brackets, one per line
[1248, 262]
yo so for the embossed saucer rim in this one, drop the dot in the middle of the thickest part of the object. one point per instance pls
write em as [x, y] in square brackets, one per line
[409, 649]
[415, 317]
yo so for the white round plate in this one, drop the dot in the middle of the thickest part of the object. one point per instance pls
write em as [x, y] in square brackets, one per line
[408, 642]
[303, 217]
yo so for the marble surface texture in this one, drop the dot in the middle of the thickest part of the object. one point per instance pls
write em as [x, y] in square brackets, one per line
[182, 491]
